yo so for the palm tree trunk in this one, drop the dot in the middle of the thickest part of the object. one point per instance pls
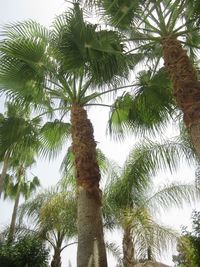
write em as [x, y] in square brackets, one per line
[185, 84]
[128, 248]
[149, 254]
[56, 261]
[91, 246]
[13, 220]
[4, 172]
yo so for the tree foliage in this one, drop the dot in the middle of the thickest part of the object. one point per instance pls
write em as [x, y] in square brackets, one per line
[131, 199]
[189, 245]
[28, 250]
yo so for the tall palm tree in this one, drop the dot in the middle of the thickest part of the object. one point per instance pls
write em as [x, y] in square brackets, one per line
[131, 200]
[167, 29]
[62, 67]
[17, 185]
[55, 218]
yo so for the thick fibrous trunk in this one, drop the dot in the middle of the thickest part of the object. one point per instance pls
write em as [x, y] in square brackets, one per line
[186, 86]
[91, 246]
[13, 220]
[128, 248]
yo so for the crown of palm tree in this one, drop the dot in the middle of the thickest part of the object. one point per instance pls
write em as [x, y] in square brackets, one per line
[54, 214]
[40, 66]
[131, 201]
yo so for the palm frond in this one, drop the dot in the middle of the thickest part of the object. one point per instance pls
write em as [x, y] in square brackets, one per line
[99, 52]
[147, 109]
[27, 29]
[19, 135]
[120, 13]
[149, 234]
[24, 60]
[142, 164]
[115, 251]
[51, 212]
[175, 194]
[53, 135]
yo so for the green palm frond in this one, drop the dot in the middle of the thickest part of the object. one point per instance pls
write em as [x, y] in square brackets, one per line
[135, 178]
[18, 134]
[115, 251]
[31, 207]
[53, 135]
[109, 61]
[24, 60]
[69, 38]
[67, 170]
[194, 10]
[147, 109]
[175, 194]
[80, 45]
[8, 187]
[164, 154]
[18, 183]
[27, 29]
[147, 233]
[120, 13]
[52, 212]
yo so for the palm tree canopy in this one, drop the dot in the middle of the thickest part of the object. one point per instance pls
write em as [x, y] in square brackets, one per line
[18, 181]
[130, 201]
[143, 162]
[146, 24]
[52, 211]
[41, 66]
[18, 133]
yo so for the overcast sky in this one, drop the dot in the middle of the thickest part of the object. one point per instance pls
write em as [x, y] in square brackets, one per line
[44, 11]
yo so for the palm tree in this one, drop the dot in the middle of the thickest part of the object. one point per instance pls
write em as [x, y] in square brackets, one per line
[164, 28]
[131, 200]
[62, 67]
[54, 215]
[19, 135]
[22, 187]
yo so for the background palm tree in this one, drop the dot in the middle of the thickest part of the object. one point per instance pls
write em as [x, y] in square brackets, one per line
[62, 67]
[131, 200]
[164, 28]
[19, 137]
[17, 184]
[54, 217]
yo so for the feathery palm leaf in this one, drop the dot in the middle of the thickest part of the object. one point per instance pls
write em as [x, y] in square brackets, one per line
[136, 210]
[52, 212]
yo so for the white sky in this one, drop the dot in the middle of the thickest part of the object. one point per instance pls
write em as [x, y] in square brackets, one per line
[44, 11]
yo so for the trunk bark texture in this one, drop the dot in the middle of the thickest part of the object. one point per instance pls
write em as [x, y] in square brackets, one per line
[128, 249]
[56, 261]
[91, 246]
[186, 86]
[13, 220]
